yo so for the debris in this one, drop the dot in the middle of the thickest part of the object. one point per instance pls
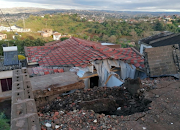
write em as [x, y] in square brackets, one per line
[57, 126]
[48, 125]
[156, 96]
[119, 108]
[95, 121]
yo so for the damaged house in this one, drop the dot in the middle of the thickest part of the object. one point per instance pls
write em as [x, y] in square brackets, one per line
[162, 39]
[97, 65]
[162, 55]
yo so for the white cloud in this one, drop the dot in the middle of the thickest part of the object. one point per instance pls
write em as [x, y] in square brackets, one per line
[118, 5]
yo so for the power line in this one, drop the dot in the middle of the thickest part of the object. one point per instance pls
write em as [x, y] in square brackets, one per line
[7, 21]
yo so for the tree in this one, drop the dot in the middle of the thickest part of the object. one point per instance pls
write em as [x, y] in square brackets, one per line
[64, 38]
[112, 38]
[133, 34]
[159, 26]
[105, 38]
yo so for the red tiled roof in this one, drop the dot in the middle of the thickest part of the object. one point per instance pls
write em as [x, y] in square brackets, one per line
[35, 53]
[79, 52]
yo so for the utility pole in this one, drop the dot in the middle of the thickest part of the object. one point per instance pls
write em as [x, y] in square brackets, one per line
[23, 22]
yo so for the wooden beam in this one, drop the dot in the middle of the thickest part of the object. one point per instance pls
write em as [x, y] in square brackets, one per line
[108, 79]
[93, 75]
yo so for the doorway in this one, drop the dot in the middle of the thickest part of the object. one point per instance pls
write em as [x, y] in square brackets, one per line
[94, 81]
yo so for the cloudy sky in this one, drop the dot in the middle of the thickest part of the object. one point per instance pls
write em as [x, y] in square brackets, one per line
[117, 5]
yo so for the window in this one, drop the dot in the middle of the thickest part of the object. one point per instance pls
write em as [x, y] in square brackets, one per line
[6, 84]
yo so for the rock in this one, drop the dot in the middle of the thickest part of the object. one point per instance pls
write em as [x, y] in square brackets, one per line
[57, 121]
[157, 96]
[52, 125]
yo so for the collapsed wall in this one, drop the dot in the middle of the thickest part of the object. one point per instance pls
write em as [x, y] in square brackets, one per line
[46, 88]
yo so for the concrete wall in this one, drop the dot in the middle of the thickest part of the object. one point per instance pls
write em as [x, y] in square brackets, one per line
[144, 46]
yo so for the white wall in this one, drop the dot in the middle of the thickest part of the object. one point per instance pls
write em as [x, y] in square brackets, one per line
[56, 37]
[6, 74]
[144, 46]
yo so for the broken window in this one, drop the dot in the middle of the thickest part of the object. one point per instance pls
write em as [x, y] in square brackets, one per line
[6, 84]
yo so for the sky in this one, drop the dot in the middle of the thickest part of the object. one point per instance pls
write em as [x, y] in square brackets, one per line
[115, 5]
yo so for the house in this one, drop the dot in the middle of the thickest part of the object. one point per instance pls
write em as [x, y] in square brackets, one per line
[56, 36]
[94, 63]
[15, 29]
[46, 32]
[3, 36]
[162, 39]
[8, 63]
[2, 28]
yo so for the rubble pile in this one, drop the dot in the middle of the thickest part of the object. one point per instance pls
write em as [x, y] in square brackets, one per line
[149, 84]
[84, 120]
[99, 108]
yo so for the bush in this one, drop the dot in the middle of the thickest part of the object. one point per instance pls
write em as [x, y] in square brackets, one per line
[4, 122]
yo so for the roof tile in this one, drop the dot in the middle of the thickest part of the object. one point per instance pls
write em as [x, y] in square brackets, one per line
[79, 52]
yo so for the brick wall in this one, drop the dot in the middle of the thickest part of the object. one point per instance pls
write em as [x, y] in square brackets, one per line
[162, 60]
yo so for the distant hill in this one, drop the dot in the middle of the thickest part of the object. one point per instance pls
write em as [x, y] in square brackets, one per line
[22, 10]
[33, 10]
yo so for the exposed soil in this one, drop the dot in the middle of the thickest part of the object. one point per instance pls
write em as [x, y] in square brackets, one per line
[110, 101]
[72, 112]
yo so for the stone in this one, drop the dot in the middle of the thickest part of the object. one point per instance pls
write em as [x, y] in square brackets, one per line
[157, 96]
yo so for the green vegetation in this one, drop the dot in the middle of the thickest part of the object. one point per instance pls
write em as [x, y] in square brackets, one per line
[109, 31]
[4, 122]
[21, 43]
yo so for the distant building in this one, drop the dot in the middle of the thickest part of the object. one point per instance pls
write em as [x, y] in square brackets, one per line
[15, 29]
[56, 36]
[3, 36]
[46, 32]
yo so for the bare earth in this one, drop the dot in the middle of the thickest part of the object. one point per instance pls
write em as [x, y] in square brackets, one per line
[163, 113]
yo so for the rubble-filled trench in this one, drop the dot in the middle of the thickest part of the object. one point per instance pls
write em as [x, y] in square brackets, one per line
[110, 101]
[88, 106]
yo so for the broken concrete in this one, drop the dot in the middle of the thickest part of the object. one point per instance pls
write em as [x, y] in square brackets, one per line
[46, 88]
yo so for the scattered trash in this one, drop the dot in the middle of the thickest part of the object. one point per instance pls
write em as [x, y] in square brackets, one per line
[95, 121]
[57, 126]
[48, 125]
[119, 108]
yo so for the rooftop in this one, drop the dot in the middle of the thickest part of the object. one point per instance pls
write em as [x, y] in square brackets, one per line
[79, 52]
[147, 40]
